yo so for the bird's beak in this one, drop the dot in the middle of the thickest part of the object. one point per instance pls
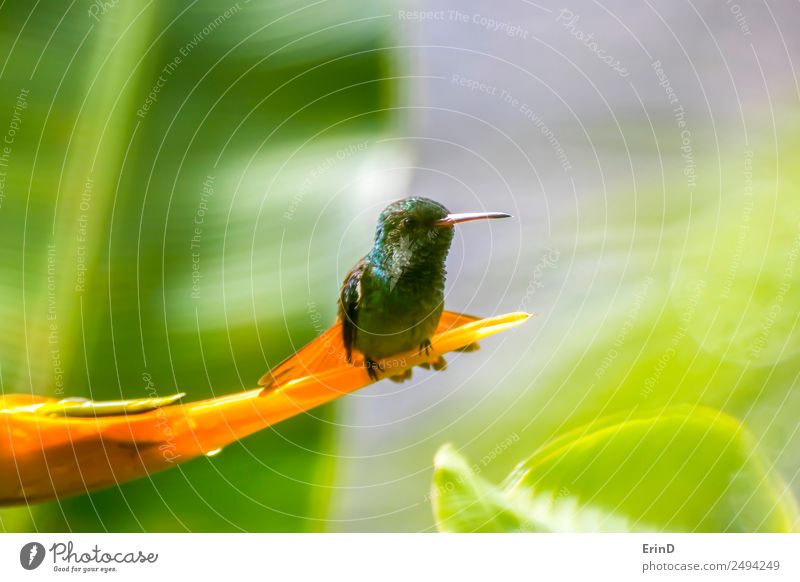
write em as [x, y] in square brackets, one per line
[452, 219]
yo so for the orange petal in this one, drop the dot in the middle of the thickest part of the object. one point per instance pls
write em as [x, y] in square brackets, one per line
[45, 456]
[327, 352]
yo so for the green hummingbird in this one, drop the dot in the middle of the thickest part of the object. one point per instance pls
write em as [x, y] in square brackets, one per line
[392, 299]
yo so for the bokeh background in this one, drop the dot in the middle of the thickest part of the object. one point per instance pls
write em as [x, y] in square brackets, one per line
[184, 185]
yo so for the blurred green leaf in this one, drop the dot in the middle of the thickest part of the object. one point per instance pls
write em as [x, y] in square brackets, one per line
[681, 469]
[185, 154]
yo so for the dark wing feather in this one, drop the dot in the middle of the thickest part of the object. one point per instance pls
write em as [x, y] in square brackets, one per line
[349, 299]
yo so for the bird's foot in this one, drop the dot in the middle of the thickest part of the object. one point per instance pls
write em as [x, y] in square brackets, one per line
[425, 346]
[473, 347]
[438, 365]
[373, 368]
[400, 378]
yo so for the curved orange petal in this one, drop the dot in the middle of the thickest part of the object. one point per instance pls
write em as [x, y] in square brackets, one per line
[43, 456]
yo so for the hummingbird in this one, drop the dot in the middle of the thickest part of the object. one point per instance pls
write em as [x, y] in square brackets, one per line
[392, 300]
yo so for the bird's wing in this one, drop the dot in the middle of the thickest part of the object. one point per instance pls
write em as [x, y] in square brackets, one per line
[349, 300]
[328, 351]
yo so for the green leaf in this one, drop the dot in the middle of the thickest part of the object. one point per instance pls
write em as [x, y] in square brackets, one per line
[680, 469]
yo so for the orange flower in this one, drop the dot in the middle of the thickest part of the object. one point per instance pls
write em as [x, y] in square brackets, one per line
[52, 448]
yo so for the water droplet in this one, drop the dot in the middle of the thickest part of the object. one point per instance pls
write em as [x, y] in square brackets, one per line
[213, 453]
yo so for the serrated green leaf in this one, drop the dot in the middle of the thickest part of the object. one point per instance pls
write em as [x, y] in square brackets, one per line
[679, 469]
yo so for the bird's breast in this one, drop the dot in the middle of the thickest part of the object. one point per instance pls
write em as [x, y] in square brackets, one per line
[395, 316]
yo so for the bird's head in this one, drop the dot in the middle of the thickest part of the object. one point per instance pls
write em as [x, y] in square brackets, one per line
[421, 227]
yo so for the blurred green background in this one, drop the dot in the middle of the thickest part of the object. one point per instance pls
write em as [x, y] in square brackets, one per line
[185, 186]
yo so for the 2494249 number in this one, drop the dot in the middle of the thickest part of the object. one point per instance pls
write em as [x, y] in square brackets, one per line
[755, 565]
